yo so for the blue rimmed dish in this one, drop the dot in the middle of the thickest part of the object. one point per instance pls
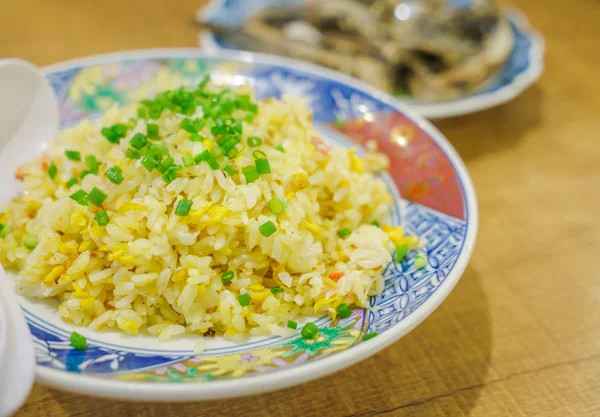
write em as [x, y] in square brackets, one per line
[433, 198]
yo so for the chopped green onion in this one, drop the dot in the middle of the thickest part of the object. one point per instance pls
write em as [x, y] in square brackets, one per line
[102, 218]
[203, 156]
[79, 196]
[227, 277]
[338, 123]
[115, 133]
[309, 331]
[253, 108]
[259, 155]
[229, 170]
[254, 141]
[344, 311]
[73, 155]
[71, 182]
[280, 148]
[114, 175]
[190, 126]
[212, 162]
[92, 163]
[228, 142]
[345, 232]
[267, 229]
[148, 163]
[141, 113]
[155, 111]
[401, 251]
[262, 166]
[120, 130]
[30, 241]
[52, 170]
[369, 336]
[276, 290]
[376, 223]
[276, 205]
[4, 231]
[152, 130]
[132, 154]
[96, 197]
[250, 173]
[160, 148]
[165, 164]
[78, 341]
[420, 261]
[205, 79]
[244, 300]
[138, 141]
[183, 207]
[187, 160]
[292, 324]
[196, 138]
[170, 173]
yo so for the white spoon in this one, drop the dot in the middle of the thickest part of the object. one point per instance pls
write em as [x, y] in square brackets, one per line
[17, 360]
[29, 118]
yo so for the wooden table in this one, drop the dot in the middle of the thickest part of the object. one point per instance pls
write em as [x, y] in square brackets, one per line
[520, 334]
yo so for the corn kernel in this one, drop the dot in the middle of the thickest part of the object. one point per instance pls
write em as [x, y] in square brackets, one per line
[78, 219]
[55, 273]
[356, 164]
[256, 287]
[195, 215]
[217, 213]
[312, 227]
[4, 217]
[115, 255]
[87, 302]
[201, 290]
[179, 276]
[260, 297]
[96, 232]
[396, 234]
[130, 327]
[127, 259]
[79, 293]
[129, 206]
[333, 301]
[85, 245]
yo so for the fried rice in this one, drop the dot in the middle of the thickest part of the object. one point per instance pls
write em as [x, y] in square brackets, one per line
[128, 256]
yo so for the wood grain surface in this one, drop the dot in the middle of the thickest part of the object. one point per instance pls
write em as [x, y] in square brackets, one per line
[520, 334]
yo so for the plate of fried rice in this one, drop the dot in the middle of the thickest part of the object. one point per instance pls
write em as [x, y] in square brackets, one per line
[213, 225]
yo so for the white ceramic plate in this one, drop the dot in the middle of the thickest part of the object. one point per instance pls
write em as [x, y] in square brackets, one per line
[438, 203]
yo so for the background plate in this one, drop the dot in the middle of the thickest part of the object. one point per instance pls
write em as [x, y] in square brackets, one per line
[523, 67]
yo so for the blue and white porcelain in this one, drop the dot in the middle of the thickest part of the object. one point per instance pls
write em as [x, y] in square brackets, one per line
[433, 198]
[524, 66]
